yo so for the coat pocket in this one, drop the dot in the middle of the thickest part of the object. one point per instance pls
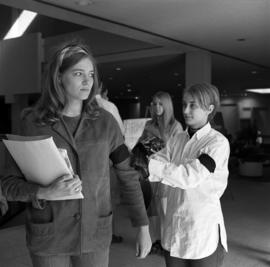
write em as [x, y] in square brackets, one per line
[40, 229]
[39, 237]
[40, 216]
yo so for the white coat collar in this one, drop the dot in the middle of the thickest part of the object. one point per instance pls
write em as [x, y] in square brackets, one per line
[203, 131]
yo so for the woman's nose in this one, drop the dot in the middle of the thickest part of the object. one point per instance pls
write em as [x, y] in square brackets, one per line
[86, 79]
[185, 109]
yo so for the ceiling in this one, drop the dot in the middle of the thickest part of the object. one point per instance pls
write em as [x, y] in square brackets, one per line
[142, 43]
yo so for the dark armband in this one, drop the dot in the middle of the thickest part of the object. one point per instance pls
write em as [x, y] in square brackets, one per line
[207, 162]
[119, 154]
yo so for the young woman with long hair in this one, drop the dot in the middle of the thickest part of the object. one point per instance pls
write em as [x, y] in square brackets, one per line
[158, 131]
[76, 232]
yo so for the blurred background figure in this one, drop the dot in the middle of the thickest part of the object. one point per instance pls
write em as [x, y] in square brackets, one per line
[103, 102]
[157, 132]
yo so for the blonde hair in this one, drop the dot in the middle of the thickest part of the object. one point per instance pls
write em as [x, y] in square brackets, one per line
[168, 115]
[206, 94]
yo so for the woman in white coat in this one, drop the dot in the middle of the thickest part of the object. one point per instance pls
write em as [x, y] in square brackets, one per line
[194, 165]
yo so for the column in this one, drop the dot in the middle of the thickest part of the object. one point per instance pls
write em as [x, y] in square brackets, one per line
[198, 67]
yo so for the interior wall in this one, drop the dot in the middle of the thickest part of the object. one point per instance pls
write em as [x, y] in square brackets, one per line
[145, 85]
[20, 64]
[243, 109]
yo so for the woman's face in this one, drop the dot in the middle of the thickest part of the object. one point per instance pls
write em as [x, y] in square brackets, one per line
[78, 80]
[157, 107]
[195, 116]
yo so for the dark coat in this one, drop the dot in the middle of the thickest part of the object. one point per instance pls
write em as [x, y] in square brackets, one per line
[78, 226]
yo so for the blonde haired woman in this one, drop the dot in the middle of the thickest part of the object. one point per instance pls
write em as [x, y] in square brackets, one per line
[157, 132]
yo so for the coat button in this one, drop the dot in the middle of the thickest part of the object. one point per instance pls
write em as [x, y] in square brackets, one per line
[77, 216]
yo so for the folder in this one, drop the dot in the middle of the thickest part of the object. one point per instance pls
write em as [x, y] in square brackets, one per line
[39, 159]
[133, 129]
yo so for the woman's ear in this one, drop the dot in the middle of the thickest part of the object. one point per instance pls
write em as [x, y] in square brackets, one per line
[211, 108]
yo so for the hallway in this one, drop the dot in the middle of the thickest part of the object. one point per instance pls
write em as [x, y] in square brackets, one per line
[247, 216]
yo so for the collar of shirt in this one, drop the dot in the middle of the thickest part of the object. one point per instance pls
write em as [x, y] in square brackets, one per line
[201, 132]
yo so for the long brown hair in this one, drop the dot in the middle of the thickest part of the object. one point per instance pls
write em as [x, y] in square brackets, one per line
[53, 98]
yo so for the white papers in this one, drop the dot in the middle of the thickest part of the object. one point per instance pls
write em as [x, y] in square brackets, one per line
[39, 159]
[133, 131]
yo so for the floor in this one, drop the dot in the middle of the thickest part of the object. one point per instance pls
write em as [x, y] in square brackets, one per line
[246, 207]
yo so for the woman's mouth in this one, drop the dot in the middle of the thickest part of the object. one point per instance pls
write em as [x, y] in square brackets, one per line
[85, 89]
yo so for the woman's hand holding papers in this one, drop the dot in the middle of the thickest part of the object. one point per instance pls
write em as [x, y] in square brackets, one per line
[65, 185]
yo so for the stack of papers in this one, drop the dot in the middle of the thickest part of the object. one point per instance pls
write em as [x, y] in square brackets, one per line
[39, 159]
[133, 129]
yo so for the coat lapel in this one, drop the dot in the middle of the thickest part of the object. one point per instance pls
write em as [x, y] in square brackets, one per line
[61, 129]
[83, 125]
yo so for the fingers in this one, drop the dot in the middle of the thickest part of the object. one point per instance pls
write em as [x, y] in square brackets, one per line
[137, 250]
[64, 177]
[141, 253]
[75, 185]
[71, 184]
[78, 189]
[75, 181]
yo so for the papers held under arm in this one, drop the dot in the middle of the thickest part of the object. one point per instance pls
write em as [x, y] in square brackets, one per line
[133, 129]
[39, 159]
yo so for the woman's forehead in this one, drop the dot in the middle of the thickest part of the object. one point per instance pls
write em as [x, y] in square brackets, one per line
[85, 63]
[189, 98]
[156, 99]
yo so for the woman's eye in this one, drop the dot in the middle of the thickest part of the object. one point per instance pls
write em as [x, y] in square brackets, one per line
[193, 106]
[77, 73]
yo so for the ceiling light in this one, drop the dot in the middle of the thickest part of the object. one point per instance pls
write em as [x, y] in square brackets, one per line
[21, 24]
[259, 90]
[254, 72]
[117, 68]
